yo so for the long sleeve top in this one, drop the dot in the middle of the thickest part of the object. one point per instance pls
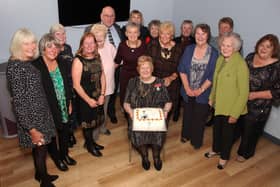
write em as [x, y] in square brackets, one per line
[230, 89]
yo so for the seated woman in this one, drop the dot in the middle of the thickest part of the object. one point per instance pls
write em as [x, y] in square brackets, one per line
[264, 68]
[229, 96]
[166, 55]
[54, 75]
[146, 91]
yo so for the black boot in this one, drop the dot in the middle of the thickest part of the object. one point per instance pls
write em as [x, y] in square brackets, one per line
[50, 177]
[90, 144]
[146, 163]
[69, 161]
[158, 163]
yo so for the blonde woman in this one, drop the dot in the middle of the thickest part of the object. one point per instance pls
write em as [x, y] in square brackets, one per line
[107, 53]
[34, 120]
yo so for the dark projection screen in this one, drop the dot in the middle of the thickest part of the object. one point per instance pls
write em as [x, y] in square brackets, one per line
[80, 12]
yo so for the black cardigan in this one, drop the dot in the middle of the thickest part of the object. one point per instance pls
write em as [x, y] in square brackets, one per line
[49, 88]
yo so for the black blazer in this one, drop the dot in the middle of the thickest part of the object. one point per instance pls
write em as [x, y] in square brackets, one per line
[49, 88]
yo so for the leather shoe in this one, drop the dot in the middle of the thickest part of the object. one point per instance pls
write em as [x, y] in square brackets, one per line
[107, 132]
[61, 165]
[69, 160]
[158, 164]
[98, 147]
[146, 163]
[114, 120]
[95, 152]
[49, 177]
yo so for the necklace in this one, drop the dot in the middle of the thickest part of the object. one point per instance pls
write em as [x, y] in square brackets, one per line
[133, 47]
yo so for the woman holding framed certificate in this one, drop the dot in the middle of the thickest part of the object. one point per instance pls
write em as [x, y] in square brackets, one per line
[147, 91]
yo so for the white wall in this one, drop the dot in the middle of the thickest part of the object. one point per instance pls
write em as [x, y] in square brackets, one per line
[252, 18]
[39, 15]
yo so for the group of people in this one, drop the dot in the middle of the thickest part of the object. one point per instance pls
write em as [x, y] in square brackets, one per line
[50, 87]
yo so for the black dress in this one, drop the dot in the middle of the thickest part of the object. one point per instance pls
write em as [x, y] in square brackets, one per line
[165, 64]
[263, 78]
[140, 95]
[91, 83]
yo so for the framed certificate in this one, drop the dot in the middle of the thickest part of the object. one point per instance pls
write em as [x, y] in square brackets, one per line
[148, 119]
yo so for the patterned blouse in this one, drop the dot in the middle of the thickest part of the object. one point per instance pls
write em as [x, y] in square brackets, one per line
[60, 93]
[263, 78]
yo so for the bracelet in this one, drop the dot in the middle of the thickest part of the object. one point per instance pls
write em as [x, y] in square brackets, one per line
[102, 94]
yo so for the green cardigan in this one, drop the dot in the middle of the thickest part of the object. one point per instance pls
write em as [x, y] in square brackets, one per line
[230, 89]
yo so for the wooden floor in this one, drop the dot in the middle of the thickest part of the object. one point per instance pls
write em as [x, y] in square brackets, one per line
[183, 166]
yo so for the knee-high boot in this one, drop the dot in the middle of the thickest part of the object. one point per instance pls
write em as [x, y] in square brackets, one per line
[90, 143]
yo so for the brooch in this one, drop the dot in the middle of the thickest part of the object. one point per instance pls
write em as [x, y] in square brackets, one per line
[157, 86]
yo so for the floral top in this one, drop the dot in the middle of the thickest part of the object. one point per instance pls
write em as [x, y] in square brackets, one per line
[60, 93]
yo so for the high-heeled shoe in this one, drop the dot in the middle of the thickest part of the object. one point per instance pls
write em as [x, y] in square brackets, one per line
[50, 177]
[240, 159]
[222, 165]
[211, 154]
[95, 152]
[46, 184]
[69, 161]
[61, 165]
[97, 146]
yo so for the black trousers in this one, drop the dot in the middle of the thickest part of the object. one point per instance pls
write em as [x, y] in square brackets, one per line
[251, 130]
[59, 153]
[194, 119]
[39, 154]
[223, 136]
[111, 111]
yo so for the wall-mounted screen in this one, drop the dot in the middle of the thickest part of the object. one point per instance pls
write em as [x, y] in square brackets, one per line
[74, 12]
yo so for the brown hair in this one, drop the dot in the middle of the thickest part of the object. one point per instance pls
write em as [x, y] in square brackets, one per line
[227, 20]
[80, 50]
[143, 60]
[205, 28]
[155, 22]
[273, 39]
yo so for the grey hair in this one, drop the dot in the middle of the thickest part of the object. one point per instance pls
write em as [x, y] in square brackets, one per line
[46, 40]
[131, 24]
[237, 41]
